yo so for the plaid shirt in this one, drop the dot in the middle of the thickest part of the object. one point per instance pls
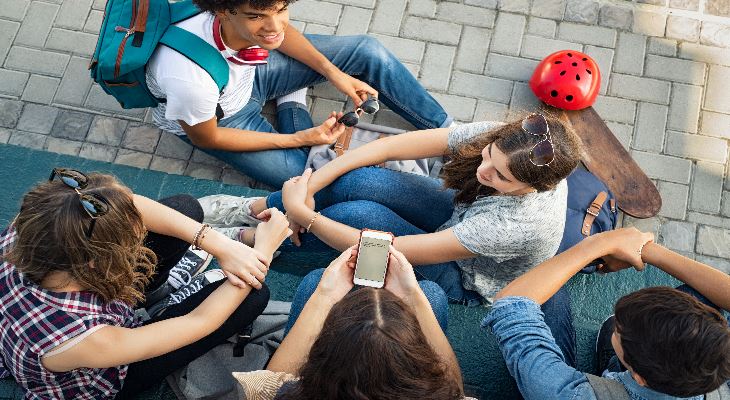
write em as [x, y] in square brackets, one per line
[33, 321]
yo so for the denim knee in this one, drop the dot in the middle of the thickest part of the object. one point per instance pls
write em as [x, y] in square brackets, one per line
[372, 50]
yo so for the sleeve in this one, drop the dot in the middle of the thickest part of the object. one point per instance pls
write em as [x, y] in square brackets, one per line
[460, 134]
[190, 101]
[532, 356]
[491, 234]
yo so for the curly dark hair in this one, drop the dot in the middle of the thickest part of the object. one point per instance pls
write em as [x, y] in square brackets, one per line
[214, 6]
[371, 347]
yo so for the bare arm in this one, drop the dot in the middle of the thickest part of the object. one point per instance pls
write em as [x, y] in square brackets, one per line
[711, 283]
[543, 281]
[113, 346]
[208, 135]
[406, 146]
[335, 283]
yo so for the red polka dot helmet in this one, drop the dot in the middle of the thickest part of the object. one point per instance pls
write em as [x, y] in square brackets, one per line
[567, 79]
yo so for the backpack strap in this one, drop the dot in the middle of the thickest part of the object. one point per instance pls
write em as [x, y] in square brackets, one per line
[592, 212]
[198, 51]
[607, 389]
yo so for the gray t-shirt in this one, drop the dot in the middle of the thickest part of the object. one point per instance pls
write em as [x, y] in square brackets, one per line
[509, 234]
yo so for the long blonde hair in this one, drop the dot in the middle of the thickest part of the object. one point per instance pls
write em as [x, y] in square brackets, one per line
[52, 236]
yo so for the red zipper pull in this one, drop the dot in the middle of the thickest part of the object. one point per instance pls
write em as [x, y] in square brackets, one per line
[129, 31]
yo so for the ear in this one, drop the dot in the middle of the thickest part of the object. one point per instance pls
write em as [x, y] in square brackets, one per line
[641, 381]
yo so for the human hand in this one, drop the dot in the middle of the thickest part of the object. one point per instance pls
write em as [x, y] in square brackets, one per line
[400, 278]
[241, 264]
[327, 133]
[272, 232]
[623, 249]
[294, 195]
[353, 88]
[337, 279]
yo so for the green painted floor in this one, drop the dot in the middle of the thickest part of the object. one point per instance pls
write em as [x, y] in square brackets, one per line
[482, 365]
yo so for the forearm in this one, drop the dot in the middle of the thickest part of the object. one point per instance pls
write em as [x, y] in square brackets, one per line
[435, 335]
[711, 283]
[293, 351]
[405, 146]
[232, 139]
[336, 235]
[543, 281]
[296, 46]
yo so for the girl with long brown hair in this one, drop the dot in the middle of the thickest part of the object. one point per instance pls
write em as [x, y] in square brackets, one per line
[370, 344]
[498, 211]
[80, 257]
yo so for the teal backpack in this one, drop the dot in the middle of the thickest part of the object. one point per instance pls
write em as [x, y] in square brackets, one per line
[130, 32]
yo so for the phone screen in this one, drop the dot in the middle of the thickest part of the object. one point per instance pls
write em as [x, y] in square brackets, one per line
[372, 258]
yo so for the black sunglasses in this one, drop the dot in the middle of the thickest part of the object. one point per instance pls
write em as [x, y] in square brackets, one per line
[369, 106]
[542, 153]
[94, 204]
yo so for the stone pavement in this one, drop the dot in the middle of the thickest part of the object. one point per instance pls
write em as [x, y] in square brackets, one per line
[665, 65]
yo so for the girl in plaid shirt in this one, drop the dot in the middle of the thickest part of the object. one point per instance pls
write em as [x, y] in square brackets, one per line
[77, 260]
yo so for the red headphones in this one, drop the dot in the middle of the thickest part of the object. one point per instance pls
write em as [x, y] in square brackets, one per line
[253, 55]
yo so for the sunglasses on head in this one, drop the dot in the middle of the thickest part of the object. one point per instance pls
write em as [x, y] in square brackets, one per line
[542, 153]
[95, 205]
[369, 106]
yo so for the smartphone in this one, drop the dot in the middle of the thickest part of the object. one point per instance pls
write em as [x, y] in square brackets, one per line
[372, 258]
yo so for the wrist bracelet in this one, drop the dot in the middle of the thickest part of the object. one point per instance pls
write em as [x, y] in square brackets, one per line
[311, 221]
[199, 235]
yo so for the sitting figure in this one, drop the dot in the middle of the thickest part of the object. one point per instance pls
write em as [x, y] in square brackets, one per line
[367, 344]
[673, 343]
[80, 256]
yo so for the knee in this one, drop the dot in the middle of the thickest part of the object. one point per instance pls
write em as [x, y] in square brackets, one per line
[310, 281]
[355, 213]
[435, 294]
[257, 300]
[371, 48]
[186, 205]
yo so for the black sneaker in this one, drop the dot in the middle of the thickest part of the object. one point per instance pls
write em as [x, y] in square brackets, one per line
[194, 286]
[604, 348]
[192, 263]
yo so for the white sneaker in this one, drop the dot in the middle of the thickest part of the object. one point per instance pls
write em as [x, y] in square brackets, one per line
[222, 210]
[192, 263]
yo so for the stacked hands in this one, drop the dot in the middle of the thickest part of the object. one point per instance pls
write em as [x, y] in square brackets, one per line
[622, 249]
[337, 279]
[244, 265]
[298, 202]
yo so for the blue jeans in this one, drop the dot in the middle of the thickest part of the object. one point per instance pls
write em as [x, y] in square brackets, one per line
[409, 204]
[360, 56]
[436, 297]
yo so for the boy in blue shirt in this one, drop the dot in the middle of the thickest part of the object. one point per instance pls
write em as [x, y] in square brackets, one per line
[673, 345]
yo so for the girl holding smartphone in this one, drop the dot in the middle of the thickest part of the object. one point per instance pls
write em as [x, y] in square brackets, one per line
[369, 343]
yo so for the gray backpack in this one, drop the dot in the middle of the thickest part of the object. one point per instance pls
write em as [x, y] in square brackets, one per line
[609, 389]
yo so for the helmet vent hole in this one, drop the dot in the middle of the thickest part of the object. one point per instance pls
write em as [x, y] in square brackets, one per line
[569, 97]
[585, 59]
[575, 64]
[589, 72]
[562, 73]
[577, 77]
[554, 93]
[570, 54]
[558, 62]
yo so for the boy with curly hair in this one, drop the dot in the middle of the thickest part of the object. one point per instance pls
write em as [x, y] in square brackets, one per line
[230, 126]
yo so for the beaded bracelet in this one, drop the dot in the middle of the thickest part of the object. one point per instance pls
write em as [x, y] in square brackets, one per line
[311, 221]
[199, 235]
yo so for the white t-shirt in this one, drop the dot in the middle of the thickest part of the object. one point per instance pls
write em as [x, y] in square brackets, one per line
[191, 93]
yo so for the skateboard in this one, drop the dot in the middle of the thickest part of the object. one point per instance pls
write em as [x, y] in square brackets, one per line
[606, 157]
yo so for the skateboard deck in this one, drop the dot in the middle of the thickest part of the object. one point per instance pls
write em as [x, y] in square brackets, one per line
[607, 158]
